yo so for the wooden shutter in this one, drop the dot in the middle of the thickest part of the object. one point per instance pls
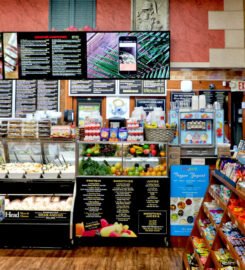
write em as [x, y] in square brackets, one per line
[65, 13]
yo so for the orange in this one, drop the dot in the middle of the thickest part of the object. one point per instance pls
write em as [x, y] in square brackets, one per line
[159, 174]
[132, 150]
[153, 173]
[162, 154]
[150, 169]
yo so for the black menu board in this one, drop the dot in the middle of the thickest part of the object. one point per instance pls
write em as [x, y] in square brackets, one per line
[156, 87]
[130, 87]
[215, 95]
[118, 207]
[139, 87]
[47, 95]
[181, 96]
[48, 55]
[6, 89]
[33, 95]
[150, 103]
[92, 87]
[26, 97]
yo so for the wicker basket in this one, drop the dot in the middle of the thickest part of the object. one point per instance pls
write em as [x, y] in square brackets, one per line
[159, 134]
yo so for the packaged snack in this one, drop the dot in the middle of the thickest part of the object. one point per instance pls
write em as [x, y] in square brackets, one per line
[122, 134]
[104, 134]
[113, 134]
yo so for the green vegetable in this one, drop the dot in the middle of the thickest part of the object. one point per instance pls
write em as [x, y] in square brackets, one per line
[91, 167]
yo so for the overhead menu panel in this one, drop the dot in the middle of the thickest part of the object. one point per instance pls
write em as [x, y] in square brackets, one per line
[6, 89]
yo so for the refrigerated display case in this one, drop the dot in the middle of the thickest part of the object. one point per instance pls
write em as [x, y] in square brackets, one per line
[38, 210]
[123, 194]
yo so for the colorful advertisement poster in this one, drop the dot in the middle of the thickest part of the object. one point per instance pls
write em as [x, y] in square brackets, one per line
[188, 186]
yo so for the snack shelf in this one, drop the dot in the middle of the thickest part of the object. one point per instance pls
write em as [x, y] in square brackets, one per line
[206, 211]
[231, 249]
[239, 224]
[203, 236]
[201, 266]
[220, 239]
[217, 199]
[186, 263]
[225, 180]
[214, 259]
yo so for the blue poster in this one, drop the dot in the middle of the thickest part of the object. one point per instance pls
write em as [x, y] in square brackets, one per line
[188, 186]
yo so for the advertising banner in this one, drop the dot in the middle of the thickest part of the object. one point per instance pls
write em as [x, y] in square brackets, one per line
[188, 186]
[122, 207]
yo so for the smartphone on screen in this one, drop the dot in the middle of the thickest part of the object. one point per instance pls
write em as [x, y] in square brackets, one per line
[127, 55]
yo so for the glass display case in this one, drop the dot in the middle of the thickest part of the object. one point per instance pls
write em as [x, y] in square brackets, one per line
[37, 191]
[122, 159]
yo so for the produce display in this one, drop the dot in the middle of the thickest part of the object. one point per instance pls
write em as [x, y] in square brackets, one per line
[135, 159]
[39, 203]
[237, 207]
[106, 230]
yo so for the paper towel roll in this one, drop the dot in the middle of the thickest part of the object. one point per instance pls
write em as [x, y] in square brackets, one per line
[202, 102]
[194, 103]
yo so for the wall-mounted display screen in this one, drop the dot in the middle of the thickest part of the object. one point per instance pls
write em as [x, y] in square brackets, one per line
[85, 55]
[126, 55]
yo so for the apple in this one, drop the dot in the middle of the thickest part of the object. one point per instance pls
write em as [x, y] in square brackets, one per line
[152, 146]
[154, 152]
[146, 152]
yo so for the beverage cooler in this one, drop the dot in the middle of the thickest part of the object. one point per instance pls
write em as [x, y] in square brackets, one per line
[199, 131]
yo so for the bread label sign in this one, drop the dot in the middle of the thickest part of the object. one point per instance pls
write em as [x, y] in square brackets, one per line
[237, 86]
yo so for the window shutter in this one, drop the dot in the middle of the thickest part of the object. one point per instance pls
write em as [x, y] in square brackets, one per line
[65, 13]
[84, 13]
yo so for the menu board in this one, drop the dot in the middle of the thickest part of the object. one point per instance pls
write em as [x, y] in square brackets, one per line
[188, 186]
[26, 97]
[51, 55]
[109, 207]
[33, 95]
[1, 56]
[142, 87]
[181, 96]
[47, 95]
[130, 87]
[212, 96]
[6, 89]
[92, 87]
[150, 103]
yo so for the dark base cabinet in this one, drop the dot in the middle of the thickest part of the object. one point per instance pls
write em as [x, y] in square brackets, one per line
[122, 211]
[37, 213]
[16, 235]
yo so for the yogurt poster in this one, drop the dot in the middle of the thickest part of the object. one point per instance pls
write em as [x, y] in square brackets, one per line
[188, 186]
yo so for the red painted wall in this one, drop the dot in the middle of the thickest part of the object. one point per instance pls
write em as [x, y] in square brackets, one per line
[24, 15]
[113, 15]
[190, 37]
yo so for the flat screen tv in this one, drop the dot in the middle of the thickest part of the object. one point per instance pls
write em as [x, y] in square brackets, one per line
[128, 55]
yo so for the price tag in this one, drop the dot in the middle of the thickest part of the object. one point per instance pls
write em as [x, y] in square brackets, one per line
[238, 263]
[229, 215]
[228, 247]
[236, 222]
[198, 161]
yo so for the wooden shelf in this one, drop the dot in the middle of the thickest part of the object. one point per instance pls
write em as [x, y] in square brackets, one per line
[217, 199]
[239, 224]
[220, 239]
[203, 236]
[231, 249]
[206, 211]
[227, 184]
[186, 263]
[215, 261]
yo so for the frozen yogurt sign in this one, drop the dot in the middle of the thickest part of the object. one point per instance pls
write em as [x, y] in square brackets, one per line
[237, 85]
